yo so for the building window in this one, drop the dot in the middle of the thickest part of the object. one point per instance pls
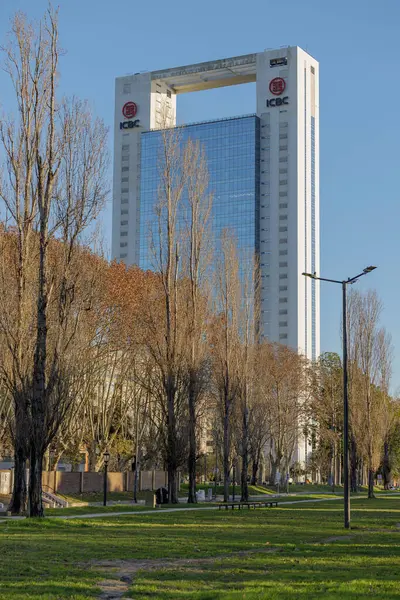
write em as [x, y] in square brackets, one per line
[169, 94]
[282, 323]
[125, 148]
[283, 217]
[282, 264]
[283, 205]
[124, 255]
[283, 159]
[282, 148]
[282, 288]
[124, 200]
[282, 252]
[124, 212]
[127, 88]
[125, 180]
[125, 158]
[282, 300]
[124, 233]
[283, 311]
[283, 336]
[283, 136]
[282, 194]
[282, 229]
[283, 276]
[123, 244]
[313, 70]
[283, 182]
[124, 169]
[282, 171]
[283, 240]
[124, 223]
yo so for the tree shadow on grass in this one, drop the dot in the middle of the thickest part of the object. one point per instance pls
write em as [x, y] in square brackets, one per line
[312, 572]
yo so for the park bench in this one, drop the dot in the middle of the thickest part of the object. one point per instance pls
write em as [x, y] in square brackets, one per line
[250, 504]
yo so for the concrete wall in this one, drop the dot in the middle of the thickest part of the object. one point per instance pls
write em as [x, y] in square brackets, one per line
[5, 482]
[76, 483]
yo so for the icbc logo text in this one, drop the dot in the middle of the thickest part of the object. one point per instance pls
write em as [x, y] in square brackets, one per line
[278, 101]
[129, 124]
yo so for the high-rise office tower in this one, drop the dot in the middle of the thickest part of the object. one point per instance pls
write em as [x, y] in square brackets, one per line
[264, 175]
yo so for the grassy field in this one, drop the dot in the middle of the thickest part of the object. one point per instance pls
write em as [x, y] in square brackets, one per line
[84, 510]
[297, 551]
[253, 489]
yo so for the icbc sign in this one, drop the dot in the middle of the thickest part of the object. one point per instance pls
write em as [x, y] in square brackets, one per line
[129, 110]
[276, 86]
[278, 101]
[129, 124]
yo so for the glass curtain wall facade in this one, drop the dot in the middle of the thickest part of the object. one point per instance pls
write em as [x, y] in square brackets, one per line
[232, 151]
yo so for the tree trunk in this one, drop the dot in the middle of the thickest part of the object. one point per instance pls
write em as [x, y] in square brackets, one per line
[46, 460]
[92, 457]
[386, 470]
[226, 456]
[371, 477]
[18, 499]
[171, 451]
[38, 432]
[56, 460]
[35, 503]
[136, 471]
[262, 467]
[254, 471]
[353, 464]
[275, 466]
[192, 443]
[135, 483]
[245, 458]
[333, 466]
[339, 468]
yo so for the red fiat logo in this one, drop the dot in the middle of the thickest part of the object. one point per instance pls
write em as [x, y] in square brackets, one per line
[277, 86]
[129, 110]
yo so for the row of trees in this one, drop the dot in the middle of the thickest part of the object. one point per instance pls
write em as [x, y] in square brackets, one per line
[374, 414]
[148, 364]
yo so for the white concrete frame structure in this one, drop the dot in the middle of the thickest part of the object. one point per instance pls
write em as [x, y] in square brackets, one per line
[289, 177]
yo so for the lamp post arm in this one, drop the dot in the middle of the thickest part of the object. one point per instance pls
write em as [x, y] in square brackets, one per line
[353, 279]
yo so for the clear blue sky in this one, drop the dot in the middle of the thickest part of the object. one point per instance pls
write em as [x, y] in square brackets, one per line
[356, 43]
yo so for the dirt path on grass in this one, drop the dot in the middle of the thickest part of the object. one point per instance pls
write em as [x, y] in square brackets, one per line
[124, 571]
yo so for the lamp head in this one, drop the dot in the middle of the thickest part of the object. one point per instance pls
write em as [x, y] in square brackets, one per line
[106, 457]
[369, 269]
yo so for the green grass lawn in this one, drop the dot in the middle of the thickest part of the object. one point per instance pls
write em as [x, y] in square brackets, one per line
[98, 496]
[254, 490]
[297, 551]
[84, 510]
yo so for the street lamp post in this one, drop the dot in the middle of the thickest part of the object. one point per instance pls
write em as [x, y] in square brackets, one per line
[106, 457]
[346, 472]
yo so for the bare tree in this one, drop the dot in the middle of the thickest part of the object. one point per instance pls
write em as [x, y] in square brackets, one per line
[370, 357]
[284, 386]
[197, 257]
[54, 189]
[248, 331]
[225, 340]
[326, 409]
[167, 347]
